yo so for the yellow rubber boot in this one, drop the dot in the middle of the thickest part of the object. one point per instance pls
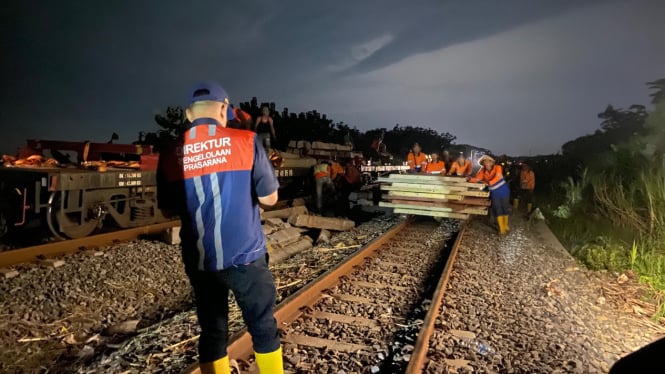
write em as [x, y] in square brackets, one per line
[502, 230]
[270, 363]
[220, 366]
[516, 203]
[529, 207]
[505, 224]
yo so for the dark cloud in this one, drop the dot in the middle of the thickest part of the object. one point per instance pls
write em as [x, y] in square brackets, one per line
[84, 70]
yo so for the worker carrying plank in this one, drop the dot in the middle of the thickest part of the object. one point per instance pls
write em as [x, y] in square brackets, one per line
[492, 175]
[461, 167]
[416, 160]
[435, 166]
[214, 177]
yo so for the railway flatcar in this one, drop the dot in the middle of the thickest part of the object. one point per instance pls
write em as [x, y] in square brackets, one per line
[73, 199]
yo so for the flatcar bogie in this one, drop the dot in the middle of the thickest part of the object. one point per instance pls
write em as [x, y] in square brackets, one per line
[74, 203]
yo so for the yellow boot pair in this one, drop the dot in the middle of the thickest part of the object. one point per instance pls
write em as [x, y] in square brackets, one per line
[268, 363]
[503, 224]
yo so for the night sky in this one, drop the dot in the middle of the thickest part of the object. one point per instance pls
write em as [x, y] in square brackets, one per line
[517, 77]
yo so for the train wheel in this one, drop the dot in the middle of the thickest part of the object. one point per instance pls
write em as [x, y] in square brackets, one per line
[68, 225]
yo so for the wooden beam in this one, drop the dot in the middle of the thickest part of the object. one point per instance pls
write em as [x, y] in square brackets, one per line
[451, 206]
[437, 187]
[434, 190]
[431, 180]
[466, 201]
[418, 205]
[419, 212]
[396, 194]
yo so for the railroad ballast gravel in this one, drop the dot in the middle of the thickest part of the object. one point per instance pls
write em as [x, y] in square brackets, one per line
[50, 312]
[170, 345]
[521, 304]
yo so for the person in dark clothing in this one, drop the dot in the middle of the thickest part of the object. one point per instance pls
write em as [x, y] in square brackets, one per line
[214, 177]
[265, 128]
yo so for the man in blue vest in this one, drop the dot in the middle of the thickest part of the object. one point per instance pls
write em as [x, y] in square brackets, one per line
[214, 177]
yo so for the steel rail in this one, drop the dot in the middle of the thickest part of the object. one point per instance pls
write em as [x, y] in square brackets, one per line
[240, 347]
[422, 343]
[27, 254]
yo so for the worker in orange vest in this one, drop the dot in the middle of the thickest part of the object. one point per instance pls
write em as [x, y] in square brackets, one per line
[527, 185]
[416, 159]
[347, 183]
[336, 170]
[436, 166]
[461, 167]
[492, 175]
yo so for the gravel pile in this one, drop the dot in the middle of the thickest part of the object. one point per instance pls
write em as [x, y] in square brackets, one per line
[170, 346]
[55, 314]
[522, 305]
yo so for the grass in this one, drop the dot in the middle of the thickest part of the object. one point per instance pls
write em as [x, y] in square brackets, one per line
[595, 238]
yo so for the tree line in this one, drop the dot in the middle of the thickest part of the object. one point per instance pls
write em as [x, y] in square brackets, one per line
[311, 126]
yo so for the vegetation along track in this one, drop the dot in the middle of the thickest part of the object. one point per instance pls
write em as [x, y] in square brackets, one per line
[365, 315]
[22, 255]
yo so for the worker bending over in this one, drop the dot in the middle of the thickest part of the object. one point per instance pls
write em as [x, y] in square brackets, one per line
[336, 171]
[461, 167]
[527, 185]
[416, 159]
[323, 181]
[214, 177]
[436, 166]
[348, 182]
[492, 175]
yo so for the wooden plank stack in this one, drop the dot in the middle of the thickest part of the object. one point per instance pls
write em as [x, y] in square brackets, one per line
[434, 195]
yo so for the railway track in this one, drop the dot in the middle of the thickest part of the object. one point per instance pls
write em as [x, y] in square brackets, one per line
[26, 254]
[372, 313]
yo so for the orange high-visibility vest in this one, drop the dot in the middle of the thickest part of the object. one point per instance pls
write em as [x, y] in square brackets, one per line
[335, 170]
[321, 170]
[461, 170]
[527, 180]
[436, 167]
[415, 161]
[494, 177]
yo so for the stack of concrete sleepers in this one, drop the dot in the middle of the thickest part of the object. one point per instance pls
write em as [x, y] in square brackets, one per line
[323, 150]
[434, 195]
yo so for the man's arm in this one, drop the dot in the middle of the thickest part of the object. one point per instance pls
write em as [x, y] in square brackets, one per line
[272, 127]
[263, 177]
[269, 200]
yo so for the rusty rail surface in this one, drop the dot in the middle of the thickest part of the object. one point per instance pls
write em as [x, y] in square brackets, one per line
[27, 254]
[422, 343]
[240, 346]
